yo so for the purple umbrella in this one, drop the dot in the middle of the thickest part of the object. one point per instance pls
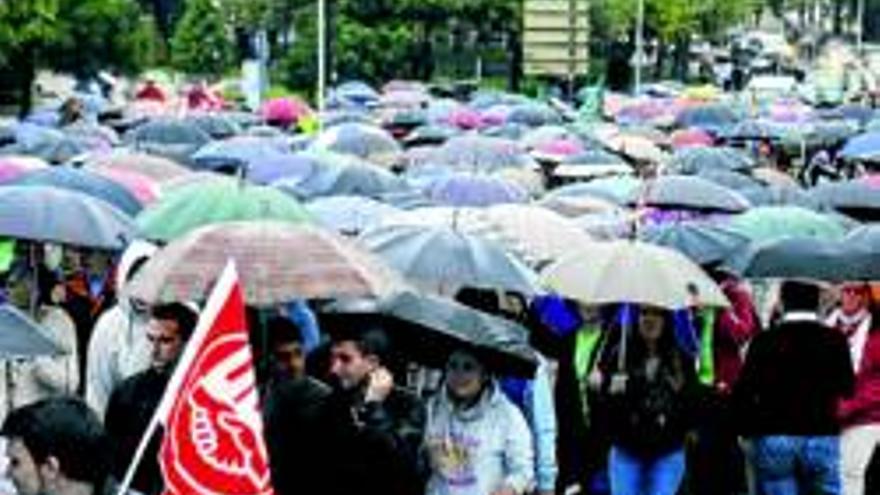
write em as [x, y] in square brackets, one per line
[475, 190]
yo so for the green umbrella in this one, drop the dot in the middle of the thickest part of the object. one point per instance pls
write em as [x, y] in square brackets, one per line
[220, 200]
[771, 223]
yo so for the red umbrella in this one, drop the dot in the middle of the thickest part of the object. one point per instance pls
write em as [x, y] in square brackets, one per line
[285, 111]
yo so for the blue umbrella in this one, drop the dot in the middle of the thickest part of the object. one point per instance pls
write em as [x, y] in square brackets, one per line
[781, 196]
[168, 131]
[713, 117]
[50, 214]
[862, 147]
[480, 154]
[361, 140]
[236, 152]
[614, 189]
[286, 166]
[811, 258]
[475, 190]
[344, 176]
[349, 214]
[689, 193]
[357, 92]
[85, 182]
[22, 337]
[218, 126]
[534, 115]
[703, 243]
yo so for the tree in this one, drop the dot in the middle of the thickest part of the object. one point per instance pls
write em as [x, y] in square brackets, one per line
[76, 36]
[202, 43]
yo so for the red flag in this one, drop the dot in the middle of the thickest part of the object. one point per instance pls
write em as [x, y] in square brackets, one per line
[213, 441]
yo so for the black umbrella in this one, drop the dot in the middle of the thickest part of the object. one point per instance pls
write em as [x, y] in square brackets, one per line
[21, 337]
[810, 258]
[426, 329]
[703, 243]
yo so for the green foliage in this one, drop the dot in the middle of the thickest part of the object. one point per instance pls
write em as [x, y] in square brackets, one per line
[299, 66]
[201, 43]
[26, 23]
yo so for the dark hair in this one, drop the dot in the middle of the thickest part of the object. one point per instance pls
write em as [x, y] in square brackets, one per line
[283, 331]
[799, 296]
[369, 337]
[180, 313]
[66, 429]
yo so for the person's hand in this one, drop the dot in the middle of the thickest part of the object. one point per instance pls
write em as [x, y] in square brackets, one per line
[618, 383]
[380, 385]
[504, 490]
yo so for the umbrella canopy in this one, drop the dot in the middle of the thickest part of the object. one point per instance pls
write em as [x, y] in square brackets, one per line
[85, 182]
[22, 337]
[696, 159]
[737, 181]
[285, 166]
[534, 115]
[701, 242]
[430, 134]
[145, 189]
[686, 138]
[342, 175]
[50, 214]
[443, 258]
[429, 328]
[167, 131]
[631, 272]
[714, 117]
[768, 223]
[325, 265]
[284, 111]
[637, 148]
[218, 126]
[857, 198]
[480, 154]
[688, 192]
[475, 190]
[12, 168]
[614, 189]
[865, 237]
[592, 163]
[219, 200]
[810, 258]
[239, 151]
[537, 137]
[862, 147]
[782, 196]
[754, 130]
[361, 140]
[349, 214]
[775, 177]
[155, 167]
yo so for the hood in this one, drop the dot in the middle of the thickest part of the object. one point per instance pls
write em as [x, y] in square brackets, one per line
[491, 398]
[135, 251]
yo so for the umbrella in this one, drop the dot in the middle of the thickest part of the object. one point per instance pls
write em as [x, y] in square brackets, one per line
[782, 196]
[592, 163]
[714, 117]
[465, 118]
[631, 272]
[445, 258]
[768, 223]
[688, 192]
[342, 175]
[865, 237]
[614, 189]
[475, 190]
[534, 115]
[356, 91]
[775, 177]
[505, 131]
[85, 182]
[349, 214]
[737, 181]
[537, 137]
[22, 337]
[97, 136]
[155, 167]
[217, 126]
[219, 200]
[701, 242]
[239, 151]
[428, 328]
[50, 214]
[145, 189]
[536, 235]
[637, 148]
[325, 265]
[687, 138]
[754, 130]
[361, 140]
[862, 147]
[169, 132]
[857, 198]
[810, 258]
[576, 206]
[284, 111]
[696, 159]
[284, 166]
[480, 154]
[430, 134]
[12, 168]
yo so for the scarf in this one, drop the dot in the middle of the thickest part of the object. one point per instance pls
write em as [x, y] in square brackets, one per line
[856, 327]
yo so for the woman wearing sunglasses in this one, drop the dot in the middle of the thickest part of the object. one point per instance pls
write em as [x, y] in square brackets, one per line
[477, 441]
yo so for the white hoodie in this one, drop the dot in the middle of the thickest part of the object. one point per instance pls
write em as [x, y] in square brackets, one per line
[118, 347]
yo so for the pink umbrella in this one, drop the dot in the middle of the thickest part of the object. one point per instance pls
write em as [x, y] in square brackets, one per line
[466, 118]
[789, 111]
[873, 180]
[687, 138]
[560, 148]
[145, 189]
[497, 114]
[11, 167]
[285, 111]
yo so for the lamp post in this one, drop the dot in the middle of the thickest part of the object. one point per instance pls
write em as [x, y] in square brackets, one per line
[640, 45]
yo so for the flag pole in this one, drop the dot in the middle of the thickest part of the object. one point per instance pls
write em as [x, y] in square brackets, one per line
[190, 350]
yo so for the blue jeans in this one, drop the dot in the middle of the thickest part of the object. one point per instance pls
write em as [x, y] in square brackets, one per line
[632, 475]
[789, 465]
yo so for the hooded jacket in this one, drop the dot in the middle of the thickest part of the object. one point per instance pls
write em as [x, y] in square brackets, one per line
[118, 347]
[478, 450]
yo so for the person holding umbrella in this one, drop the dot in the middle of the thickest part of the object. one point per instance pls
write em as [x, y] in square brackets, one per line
[477, 441]
[647, 392]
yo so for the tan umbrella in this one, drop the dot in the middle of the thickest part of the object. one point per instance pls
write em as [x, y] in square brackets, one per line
[278, 262]
[637, 147]
[632, 272]
[775, 177]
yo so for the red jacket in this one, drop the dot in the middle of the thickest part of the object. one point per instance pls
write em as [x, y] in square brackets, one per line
[864, 406]
[734, 329]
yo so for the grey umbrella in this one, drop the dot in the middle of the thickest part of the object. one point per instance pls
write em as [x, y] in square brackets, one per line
[21, 337]
[703, 243]
[688, 192]
[700, 158]
[810, 258]
[857, 198]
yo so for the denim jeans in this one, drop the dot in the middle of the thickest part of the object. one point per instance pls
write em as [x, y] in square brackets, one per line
[790, 465]
[632, 475]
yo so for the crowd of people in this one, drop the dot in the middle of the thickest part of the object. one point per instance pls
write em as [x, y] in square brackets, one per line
[625, 402]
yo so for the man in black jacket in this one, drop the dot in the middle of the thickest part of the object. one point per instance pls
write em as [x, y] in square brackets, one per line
[787, 395]
[133, 403]
[374, 429]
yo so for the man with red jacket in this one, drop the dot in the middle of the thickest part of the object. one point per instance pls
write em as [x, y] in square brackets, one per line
[860, 414]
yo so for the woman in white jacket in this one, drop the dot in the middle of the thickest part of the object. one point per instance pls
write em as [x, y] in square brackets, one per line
[477, 441]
